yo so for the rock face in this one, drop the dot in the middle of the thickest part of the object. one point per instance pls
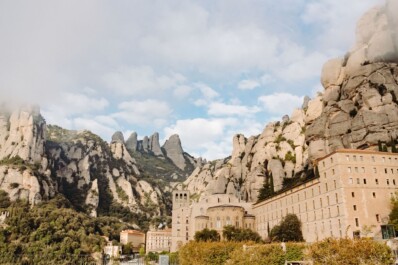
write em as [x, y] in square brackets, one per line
[173, 150]
[38, 161]
[357, 109]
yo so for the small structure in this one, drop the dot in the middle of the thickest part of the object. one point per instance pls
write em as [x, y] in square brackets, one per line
[135, 237]
[111, 251]
[158, 241]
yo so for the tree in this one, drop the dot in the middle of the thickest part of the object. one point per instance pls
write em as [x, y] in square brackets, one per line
[393, 216]
[231, 233]
[4, 199]
[289, 229]
[267, 190]
[207, 235]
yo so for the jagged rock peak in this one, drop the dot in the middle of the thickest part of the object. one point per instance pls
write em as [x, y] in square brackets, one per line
[154, 145]
[131, 143]
[118, 137]
[174, 151]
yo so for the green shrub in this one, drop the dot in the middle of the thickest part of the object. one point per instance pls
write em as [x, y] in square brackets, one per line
[362, 251]
[209, 253]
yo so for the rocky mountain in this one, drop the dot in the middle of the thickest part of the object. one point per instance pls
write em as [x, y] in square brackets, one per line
[357, 109]
[37, 161]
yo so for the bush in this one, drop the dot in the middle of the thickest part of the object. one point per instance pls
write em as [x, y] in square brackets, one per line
[232, 233]
[362, 251]
[209, 253]
[207, 235]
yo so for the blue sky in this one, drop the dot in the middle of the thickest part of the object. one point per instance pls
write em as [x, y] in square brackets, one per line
[203, 69]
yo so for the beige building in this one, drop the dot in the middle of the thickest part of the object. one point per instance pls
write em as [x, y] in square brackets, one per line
[351, 197]
[213, 211]
[136, 238]
[158, 241]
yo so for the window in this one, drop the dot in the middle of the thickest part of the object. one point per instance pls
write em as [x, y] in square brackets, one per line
[385, 170]
[327, 199]
[323, 163]
[377, 218]
[350, 181]
[331, 160]
[337, 198]
[347, 157]
[354, 207]
[374, 194]
[393, 181]
[373, 159]
[349, 169]
[362, 170]
[377, 181]
[358, 181]
[335, 185]
[338, 211]
[388, 182]
[356, 170]
[361, 158]
[383, 159]
[356, 222]
[364, 181]
[333, 171]
[354, 158]
[326, 187]
[218, 223]
[353, 194]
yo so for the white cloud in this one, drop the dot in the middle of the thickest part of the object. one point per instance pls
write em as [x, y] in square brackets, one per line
[143, 113]
[248, 84]
[140, 81]
[211, 138]
[94, 126]
[207, 91]
[281, 103]
[222, 109]
[182, 91]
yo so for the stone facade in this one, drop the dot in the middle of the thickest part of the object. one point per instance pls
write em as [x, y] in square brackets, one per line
[350, 197]
[214, 212]
[136, 238]
[158, 241]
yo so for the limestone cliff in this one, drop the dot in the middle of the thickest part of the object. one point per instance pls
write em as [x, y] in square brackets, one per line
[357, 109]
[38, 161]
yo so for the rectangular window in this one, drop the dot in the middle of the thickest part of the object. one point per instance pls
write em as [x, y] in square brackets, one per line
[326, 187]
[331, 160]
[377, 218]
[337, 198]
[349, 169]
[348, 158]
[354, 158]
[388, 182]
[356, 170]
[335, 185]
[355, 207]
[377, 181]
[373, 159]
[362, 170]
[393, 181]
[361, 158]
[353, 194]
[323, 163]
[364, 181]
[374, 194]
[333, 171]
[358, 181]
[356, 222]
[350, 181]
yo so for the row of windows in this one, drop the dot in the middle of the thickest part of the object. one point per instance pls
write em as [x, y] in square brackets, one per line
[362, 170]
[361, 158]
[358, 181]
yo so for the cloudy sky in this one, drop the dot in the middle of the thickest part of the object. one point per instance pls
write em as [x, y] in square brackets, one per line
[203, 69]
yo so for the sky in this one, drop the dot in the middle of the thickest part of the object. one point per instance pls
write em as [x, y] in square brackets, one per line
[205, 70]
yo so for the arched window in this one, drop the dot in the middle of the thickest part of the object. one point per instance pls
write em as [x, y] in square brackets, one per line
[218, 223]
[228, 220]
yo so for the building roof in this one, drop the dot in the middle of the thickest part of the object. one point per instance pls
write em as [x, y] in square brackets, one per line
[225, 205]
[130, 231]
[202, 216]
[355, 151]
